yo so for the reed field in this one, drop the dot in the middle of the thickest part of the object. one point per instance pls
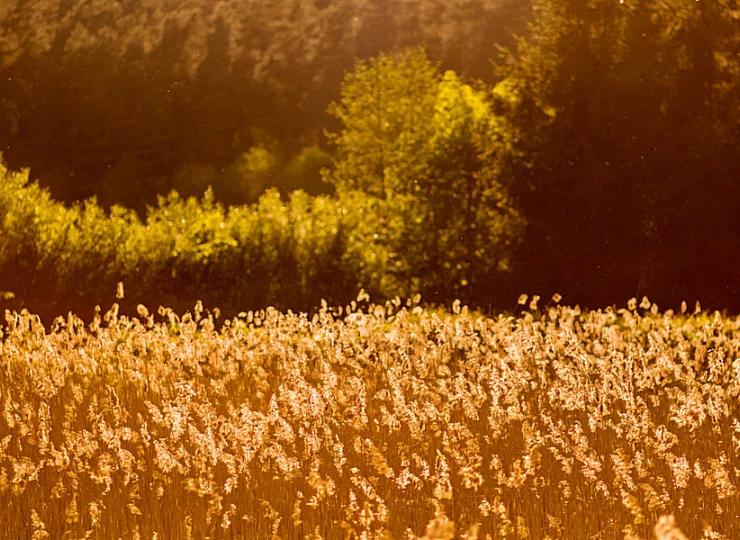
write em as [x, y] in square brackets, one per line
[372, 421]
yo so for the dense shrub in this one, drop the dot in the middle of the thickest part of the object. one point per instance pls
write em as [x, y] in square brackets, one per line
[285, 253]
[288, 253]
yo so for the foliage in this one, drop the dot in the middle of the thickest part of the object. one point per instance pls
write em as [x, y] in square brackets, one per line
[287, 253]
[624, 121]
[304, 171]
[371, 421]
[254, 172]
[385, 112]
[86, 86]
[431, 141]
[55, 258]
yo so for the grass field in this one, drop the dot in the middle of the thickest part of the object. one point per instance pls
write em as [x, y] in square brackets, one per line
[386, 421]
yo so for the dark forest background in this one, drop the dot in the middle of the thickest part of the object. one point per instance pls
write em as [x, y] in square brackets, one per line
[458, 149]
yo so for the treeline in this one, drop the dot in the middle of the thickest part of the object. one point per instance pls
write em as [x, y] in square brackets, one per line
[599, 161]
[127, 100]
[418, 209]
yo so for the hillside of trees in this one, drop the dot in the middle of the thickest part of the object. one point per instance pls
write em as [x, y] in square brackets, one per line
[128, 99]
[471, 150]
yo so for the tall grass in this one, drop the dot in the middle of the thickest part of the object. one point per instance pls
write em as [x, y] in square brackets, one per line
[381, 421]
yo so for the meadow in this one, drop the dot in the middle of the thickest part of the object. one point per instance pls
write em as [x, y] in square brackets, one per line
[372, 421]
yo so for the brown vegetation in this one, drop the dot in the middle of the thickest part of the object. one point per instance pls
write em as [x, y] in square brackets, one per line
[384, 422]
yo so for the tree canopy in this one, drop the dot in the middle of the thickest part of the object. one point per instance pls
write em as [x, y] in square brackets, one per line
[410, 132]
[627, 125]
[146, 87]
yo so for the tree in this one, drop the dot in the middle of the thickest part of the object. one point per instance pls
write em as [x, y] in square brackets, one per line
[624, 117]
[412, 133]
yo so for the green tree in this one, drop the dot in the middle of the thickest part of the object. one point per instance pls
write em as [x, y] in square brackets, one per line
[410, 132]
[385, 113]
